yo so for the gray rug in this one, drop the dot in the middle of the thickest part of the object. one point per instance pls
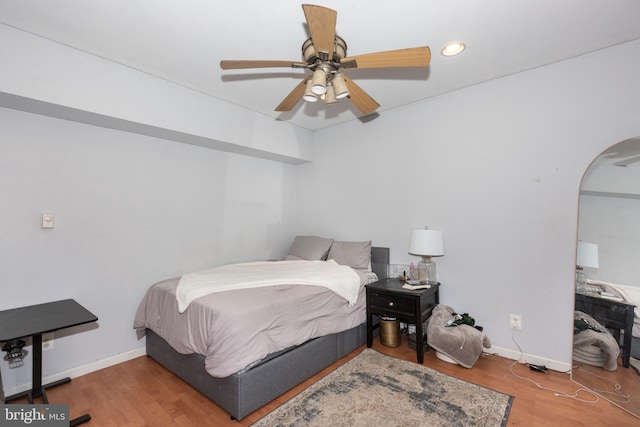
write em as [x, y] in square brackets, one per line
[373, 389]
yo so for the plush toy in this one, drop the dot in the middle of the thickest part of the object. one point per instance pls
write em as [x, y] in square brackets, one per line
[580, 325]
[463, 319]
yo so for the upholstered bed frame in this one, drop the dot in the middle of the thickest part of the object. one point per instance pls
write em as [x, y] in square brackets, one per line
[242, 393]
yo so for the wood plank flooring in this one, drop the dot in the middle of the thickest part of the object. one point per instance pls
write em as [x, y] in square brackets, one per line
[142, 393]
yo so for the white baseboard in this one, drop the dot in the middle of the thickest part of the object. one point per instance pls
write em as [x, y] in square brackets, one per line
[529, 358]
[83, 370]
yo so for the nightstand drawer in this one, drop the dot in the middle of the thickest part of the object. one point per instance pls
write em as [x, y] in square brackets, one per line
[393, 304]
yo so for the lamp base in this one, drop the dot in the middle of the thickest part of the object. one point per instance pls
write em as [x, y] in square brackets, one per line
[581, 280]
[427, 270]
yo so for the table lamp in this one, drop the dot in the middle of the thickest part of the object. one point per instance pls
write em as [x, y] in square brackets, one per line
[426, 243]
[587, 256]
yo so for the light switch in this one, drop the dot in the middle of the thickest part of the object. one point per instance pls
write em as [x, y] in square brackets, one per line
[47, 220]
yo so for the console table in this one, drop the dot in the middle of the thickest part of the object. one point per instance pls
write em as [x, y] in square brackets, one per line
[612, 314]
[388, 298]
[33, 321]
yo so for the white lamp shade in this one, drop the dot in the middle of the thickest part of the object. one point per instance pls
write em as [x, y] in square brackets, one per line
[426, 242]
[330, 96]
[319, 82]
[587, 255]
[340, 86]
[308, 95]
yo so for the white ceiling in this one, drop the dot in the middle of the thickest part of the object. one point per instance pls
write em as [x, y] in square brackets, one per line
[184, 40]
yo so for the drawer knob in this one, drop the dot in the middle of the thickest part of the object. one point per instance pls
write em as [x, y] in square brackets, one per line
[390, 303]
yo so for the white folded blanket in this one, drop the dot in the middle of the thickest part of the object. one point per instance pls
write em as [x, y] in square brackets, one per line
[340, 279]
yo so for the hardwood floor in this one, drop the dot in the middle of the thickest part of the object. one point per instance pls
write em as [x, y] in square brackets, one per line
[621, 386]
[142, 393]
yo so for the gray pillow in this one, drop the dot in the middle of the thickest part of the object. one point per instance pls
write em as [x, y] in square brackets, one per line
[312, 248]
[354, 254]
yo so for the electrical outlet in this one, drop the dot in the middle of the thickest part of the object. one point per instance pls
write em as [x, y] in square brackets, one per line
[47, 341]
[515, 321]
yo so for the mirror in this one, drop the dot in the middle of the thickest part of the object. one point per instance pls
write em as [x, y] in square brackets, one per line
[608, 285]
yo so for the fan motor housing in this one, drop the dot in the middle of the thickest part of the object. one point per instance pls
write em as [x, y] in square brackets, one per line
[339, 51]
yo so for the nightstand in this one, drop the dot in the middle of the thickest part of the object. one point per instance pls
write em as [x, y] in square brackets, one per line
[612, 314]
[388, 298]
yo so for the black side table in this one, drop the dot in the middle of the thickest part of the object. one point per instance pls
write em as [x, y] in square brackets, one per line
[33, 321]
[388, 298]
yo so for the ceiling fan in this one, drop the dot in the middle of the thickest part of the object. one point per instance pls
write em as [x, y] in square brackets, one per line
[325, 55]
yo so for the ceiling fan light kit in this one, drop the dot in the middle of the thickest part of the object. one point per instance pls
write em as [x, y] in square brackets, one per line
[325, 55]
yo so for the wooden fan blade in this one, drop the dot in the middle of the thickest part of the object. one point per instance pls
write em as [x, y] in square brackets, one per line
[236, 65]
[360, 98]
[294, 96]
[412, 57]
[322, 26]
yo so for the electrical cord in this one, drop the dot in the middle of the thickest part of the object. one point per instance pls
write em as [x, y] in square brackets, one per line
[619, 397]
[541, 387]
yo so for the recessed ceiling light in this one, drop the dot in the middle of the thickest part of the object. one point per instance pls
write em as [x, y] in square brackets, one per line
[452, 49]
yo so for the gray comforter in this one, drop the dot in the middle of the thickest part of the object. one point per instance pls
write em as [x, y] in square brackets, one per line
[236, 329]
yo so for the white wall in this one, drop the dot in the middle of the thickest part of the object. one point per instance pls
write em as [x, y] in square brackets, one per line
[621, 181]
[612, 223]
[497, 167]
[609, 212]
[130, 210]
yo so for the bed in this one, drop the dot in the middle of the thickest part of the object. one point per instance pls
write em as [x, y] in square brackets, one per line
[223, 372]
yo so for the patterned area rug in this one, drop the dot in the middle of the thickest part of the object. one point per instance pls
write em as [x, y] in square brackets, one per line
[373, 389]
